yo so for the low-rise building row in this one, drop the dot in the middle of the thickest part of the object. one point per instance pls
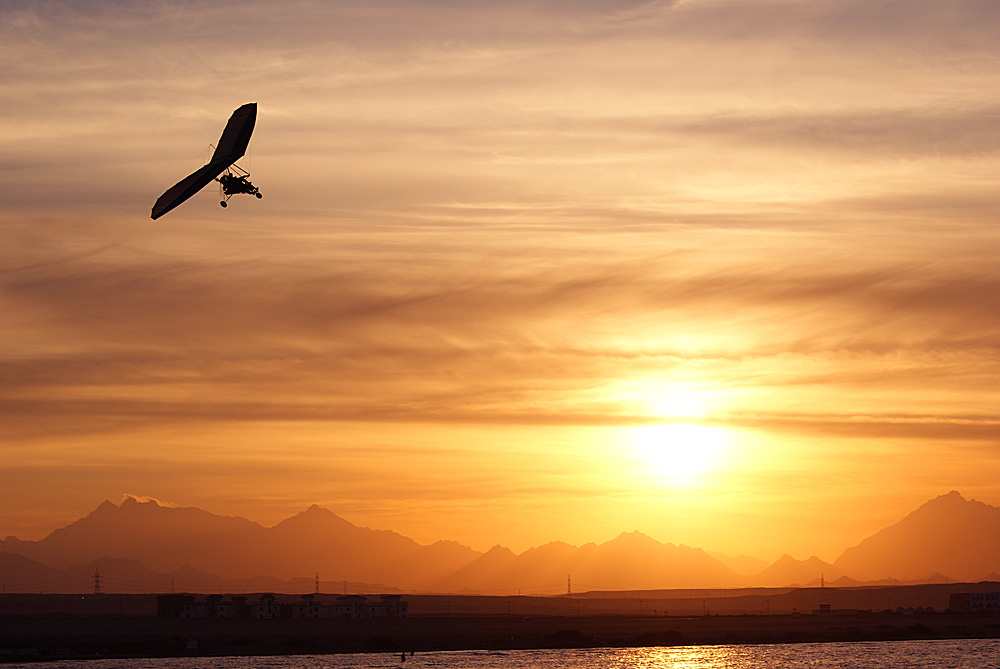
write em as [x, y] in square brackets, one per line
[269, 607]
[975, 602]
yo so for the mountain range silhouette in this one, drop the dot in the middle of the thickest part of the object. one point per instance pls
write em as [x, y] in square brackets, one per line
[151, 545]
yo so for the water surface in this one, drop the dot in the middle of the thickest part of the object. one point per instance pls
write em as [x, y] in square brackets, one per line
[938, 654]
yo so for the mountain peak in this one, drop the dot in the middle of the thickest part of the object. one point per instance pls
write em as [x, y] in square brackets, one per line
[634, 535]
[141, 503]
[953, 497]
[949, 506]
[317, 514]
[499, 550]
[104, 512]
[314, 519]
[787, 570]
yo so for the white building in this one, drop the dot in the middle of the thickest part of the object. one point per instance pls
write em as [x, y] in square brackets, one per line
[265, 608]
[308, 607]
[347, 606]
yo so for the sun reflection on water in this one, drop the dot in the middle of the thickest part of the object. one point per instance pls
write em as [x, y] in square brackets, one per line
[681, 657]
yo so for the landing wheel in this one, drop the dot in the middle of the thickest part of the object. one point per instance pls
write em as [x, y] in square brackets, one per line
[223, 204]
[259, 196]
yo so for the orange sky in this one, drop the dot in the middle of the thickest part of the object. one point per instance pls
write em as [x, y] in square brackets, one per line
[727, 273]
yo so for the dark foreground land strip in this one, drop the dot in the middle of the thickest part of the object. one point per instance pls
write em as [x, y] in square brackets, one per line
[30, 638]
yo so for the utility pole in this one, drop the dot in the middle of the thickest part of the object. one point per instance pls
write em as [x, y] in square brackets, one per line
[317, 583]
[97, 581]
[569, 590]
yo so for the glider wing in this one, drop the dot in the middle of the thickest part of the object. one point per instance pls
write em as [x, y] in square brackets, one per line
[236, 136]
[187, 187]
[232, 146]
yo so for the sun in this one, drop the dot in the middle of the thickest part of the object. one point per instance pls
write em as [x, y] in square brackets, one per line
[680, 453]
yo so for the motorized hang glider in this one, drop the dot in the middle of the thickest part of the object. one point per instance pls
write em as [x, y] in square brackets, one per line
[232, 179]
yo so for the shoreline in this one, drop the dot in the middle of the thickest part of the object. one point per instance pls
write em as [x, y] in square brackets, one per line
[60, 637]
[40, 627]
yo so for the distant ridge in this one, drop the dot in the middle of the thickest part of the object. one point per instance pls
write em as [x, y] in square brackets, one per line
[789, 571]
[944, 540]
[630, 561]
[947, 535]
[314, 541]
